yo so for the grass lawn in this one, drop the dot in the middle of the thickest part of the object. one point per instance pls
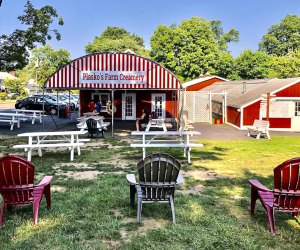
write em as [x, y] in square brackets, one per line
[90, 200]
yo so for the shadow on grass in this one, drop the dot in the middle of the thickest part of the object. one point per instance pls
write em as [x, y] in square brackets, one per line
[233, 197]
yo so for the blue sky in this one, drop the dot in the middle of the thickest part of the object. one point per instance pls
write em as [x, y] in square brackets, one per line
[85, 19]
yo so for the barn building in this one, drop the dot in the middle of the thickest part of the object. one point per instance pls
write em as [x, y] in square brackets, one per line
[123, 82]
[276, 100]
[201, 82]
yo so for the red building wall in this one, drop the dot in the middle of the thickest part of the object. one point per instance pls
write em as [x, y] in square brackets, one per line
[251, 113]
[279, 122]
[292, 91]
[233, 116]
[143, 100]
[203, 84]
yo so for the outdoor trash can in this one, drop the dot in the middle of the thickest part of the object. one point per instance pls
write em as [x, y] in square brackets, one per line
[62, 112]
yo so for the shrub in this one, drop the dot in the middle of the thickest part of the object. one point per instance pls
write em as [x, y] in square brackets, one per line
[3, 96]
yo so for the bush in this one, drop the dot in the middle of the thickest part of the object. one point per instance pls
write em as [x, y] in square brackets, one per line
[21, 95]
[3, 96]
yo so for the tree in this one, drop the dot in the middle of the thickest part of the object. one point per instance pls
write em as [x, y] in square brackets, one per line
[48, 61]
[117, 40]
[191, 48]
[285, 66]
[14, 85]
[282, 38]
[252, 65]
[14, 48]
[225, 66]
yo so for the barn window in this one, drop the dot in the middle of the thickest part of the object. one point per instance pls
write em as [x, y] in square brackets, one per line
[297, 108]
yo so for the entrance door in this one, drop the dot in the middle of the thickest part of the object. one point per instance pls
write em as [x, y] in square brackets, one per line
[128, 106]
[159, 104]
[103, 97]
[296, 117]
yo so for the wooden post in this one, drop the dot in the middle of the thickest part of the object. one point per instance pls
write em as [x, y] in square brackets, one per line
[268, 106]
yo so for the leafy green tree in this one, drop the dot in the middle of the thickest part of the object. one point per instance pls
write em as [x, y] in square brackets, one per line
[282, 38]
[225, 66]
[14, 48]
[285, 66]
[252, 65]
[43, 62]
[13, 52]
[191, 48]
[117, 40]
[14, 85]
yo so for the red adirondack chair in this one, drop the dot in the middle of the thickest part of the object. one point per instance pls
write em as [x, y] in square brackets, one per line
[17, 188]
[285, 196]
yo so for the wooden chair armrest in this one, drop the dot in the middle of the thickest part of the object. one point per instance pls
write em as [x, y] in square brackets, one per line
[46, 180]
[131, 179]
[257, 185]
[179, 179]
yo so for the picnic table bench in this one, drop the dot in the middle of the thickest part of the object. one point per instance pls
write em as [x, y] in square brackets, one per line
[259, 128]
[69, 139]
[101, 125]
[11, 118]
[167, 139]
[30, 114]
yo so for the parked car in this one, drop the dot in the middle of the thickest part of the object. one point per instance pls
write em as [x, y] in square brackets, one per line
[63, 101]
[36, 103]
[63, 98]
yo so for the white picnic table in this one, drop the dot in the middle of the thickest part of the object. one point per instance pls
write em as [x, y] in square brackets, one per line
[170, 139]
[90, 114]
[85, 118]
[11, 118]
[156, 123]
[33, 114]
[101, 125]
[69, 139]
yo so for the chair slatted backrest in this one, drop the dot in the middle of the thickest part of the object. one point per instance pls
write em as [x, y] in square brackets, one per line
[16, 180]
[92, 125]
[287, 185]
[157, 176]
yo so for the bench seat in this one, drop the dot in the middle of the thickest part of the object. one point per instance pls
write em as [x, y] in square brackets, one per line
[62, 140]
[10, 121]
[69, 145]
[259, 128]
[48, 145]
[166, 145]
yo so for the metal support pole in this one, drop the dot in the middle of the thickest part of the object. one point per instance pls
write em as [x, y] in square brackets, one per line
[43, 108]
[112, 112]
[57, 102]
[125, 116]
[69, 98]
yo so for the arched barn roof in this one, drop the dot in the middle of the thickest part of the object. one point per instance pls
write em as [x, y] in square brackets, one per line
[112, 71]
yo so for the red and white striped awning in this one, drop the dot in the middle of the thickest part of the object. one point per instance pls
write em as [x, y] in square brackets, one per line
[112, 71]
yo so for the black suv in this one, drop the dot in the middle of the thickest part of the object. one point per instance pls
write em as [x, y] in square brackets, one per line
[36, 103]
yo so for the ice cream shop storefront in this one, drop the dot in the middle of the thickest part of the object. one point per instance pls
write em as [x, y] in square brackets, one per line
[124, 83]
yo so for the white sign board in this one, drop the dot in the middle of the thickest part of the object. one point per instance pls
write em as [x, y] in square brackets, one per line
[113, 77]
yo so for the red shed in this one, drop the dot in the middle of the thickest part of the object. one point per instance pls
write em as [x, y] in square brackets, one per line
[275, 99]
[128, 81]
[201, 82]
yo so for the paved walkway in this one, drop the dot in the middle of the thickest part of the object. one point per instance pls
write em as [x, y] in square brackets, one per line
[208, 131]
